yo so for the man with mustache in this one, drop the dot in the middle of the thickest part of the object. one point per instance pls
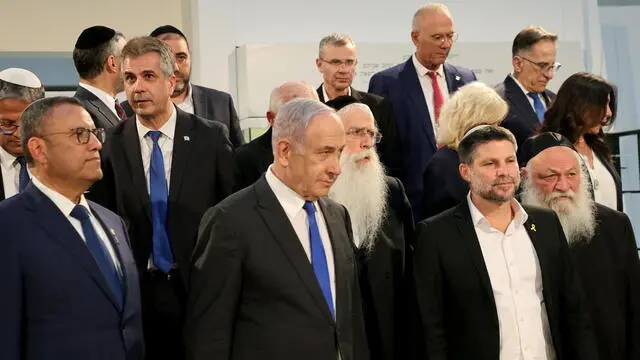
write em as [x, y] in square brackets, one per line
[601, 241]
[18, 89]
[382, 227]
[274, 273]
[495, 279]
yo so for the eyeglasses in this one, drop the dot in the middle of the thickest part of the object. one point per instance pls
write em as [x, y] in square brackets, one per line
[82, 134]
[440, 38]
[349, 63]
[543, 66]
[8, 127]
[364, 132]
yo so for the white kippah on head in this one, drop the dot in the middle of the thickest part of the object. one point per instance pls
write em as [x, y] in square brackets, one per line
[20, 77]
[474, 129]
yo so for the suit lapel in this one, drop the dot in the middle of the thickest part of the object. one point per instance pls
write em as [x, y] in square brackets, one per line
[51, 220]
[520, 101]
[98, 105]
[116, 243]
[198, 102]
[543, 259]
[320, 94]
[452, 76]
[282, 231]
[183, 141]
[409, 78]
[131, 151]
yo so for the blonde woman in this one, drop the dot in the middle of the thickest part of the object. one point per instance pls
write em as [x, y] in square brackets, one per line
[473, 105]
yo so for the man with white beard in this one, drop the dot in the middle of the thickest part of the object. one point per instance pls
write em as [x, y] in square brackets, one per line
[601, 241]
[382, 226]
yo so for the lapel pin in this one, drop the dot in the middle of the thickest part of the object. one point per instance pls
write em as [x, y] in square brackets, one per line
[533, 227]
[186, 138]
[457, 78]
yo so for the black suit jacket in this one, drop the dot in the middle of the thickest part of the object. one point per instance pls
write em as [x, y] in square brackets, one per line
[1, 187]
[389, 146]
[456, 299]
[253, 159]
[102, 116]
[201, 176]
[212, 105]
[385, 289]
[254, 294]
[444, 188]
[610, 271]
[521, 120]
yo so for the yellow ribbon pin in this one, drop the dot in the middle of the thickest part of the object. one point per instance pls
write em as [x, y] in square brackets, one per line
[533, 227]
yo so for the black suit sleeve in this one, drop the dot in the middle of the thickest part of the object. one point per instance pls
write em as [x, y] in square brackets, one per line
[235, 133]
[390, 149]
[225, 168]
[429, 290]
[215, 286]
[633, 291]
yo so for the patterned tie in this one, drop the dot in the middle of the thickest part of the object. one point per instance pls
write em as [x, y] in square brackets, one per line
[318, 256]
[537, 105]
[120, 111]
[438, 98]
[162, 255]
[99, 252]
[24, 174]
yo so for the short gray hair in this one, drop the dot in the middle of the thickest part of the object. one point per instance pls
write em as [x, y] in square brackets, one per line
[142, 45]
[288, 91]
[429, 8]
[357, 107]
[294, 117]
[90, 62]
[335, 40]
[35, 114]
[14, 91]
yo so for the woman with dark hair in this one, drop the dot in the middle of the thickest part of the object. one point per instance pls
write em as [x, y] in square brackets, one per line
[584, 105]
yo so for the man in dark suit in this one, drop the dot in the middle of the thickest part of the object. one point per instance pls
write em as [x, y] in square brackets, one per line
[163, 170]
[210, 104]
[18, 89]
[95, 57]
[253, 158]
[601, 241]
[495, 280]
[382, 229]
[70, 285]
[274, 273]
[337, 60]
[417, 89]
[534, 64]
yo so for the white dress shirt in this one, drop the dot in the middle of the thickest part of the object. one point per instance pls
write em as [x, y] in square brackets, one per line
[427, 88]
[187, 104]
[66, 206]
[165, 142]
[516, 282]
[604, 186]
[107, 99]
[10, 173]
[292, 203]
[326, 96]
[526, 94]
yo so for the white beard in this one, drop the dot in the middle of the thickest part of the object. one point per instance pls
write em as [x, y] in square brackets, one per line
[362, 189]
[577, 216]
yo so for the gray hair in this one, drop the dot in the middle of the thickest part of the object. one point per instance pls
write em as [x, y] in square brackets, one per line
[294, 117]
[35, 114]
[335, 40]
[90, 62]
[357, 107]
[145, 44]
[14, 91]
[288, 91]
[425, 9]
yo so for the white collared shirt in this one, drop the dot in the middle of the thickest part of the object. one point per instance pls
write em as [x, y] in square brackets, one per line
[292, 203]
[66, 206]
[427, 88]
[107, 99]
[165, 142]
[187, 104]
[604, 186]
[526, 94]
[516, 282]
[326, 96]
[10, 173]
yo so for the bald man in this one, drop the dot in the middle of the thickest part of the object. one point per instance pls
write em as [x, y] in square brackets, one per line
[253, 159]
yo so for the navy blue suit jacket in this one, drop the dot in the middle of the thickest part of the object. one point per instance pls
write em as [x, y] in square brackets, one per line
[401, 87]
[55, 302]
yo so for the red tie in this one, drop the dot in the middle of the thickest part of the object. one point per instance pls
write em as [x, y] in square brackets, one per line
[438, 99]
[120, 110]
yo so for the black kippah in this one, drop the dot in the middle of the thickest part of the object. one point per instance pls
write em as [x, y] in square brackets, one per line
[538, 143]
[167, 29]
[339, 102]
[94, 36]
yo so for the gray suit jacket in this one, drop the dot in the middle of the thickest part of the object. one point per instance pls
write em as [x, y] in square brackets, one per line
[102, 116]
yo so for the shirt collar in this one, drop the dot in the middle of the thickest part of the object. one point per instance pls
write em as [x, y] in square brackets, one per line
[109, 100]
[525, 91]
[6, 160]
[326, 96]
[168, 129]
[290, 200]
[422, 70]
[519, 218]
[62, 202]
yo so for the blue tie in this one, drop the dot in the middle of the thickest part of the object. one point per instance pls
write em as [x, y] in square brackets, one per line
[24, 174]
[318, 257]
[162, 255]
[99, 252]
[537, 105]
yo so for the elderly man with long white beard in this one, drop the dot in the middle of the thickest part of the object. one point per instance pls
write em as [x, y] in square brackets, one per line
[601, 241]
[382, 226]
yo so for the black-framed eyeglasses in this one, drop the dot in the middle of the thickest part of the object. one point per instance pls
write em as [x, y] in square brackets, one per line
[440, 38]
[543, 66]
[349, 63]
[82, 134]
[364, 132]
[8, 127]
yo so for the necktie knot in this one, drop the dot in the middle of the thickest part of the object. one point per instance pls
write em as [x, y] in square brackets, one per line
[80, 213]
[538, 107]
[20, 160]
[309, 207]
[533, 95]
[154, 135]
[433, 75]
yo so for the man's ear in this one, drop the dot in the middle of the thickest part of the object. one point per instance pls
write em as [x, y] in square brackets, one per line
[523, 173]
[271, 117]
[283, 151]
[465, 172]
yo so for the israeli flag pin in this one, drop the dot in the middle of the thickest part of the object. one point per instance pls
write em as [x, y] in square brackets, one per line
[186, 138]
